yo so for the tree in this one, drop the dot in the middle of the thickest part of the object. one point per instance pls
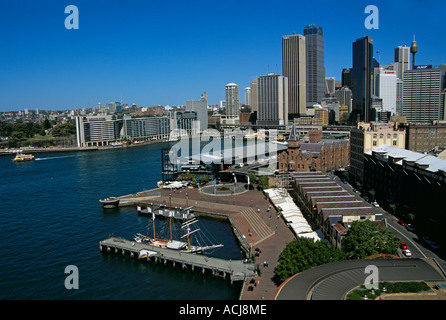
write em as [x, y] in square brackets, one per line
[264, 182]
[367, 238]
[304, 253]
[252, 178]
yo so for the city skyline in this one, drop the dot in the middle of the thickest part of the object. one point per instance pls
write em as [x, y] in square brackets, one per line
[155, 54]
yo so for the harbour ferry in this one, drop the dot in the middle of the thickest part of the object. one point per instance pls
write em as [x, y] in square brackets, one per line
[20, 157]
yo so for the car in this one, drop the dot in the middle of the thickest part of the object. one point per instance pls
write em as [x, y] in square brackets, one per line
[401, 222]
[433, 244]
[410, 227]
[403, 246]
[375, 204]
[345, 181]
[407, 252]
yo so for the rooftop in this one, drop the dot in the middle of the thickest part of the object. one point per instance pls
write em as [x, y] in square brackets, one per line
[434, 164]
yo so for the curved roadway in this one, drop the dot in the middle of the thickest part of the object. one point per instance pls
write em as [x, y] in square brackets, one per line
[332, 281]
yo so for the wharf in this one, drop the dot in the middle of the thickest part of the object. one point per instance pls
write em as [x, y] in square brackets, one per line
[254, 226]
[236, 270]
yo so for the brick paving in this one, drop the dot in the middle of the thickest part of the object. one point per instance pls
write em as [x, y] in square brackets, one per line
[262, 229]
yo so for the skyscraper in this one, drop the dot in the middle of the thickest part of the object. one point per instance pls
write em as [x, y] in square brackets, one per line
[422, 96]
[402, 60]
[314, 46]
[362, 77]
[272, 100]
[294, 68]
[254, 95]
[232, 100]
[387, 89]
[248, 96]
[201, 108]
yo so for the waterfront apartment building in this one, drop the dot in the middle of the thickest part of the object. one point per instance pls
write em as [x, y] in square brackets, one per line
[361, 78]
[367, 136]
[315, 73]
[102, 130]
[422, 94]
[294, 68]
[272, 100]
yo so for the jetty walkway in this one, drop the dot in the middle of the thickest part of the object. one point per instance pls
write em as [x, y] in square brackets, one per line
[255, 224]
[236, 270]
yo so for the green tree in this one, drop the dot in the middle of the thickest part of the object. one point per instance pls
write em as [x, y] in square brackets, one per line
[367, 238]
[252, 178]
[304, 253]
[264, 182]
[47, 124]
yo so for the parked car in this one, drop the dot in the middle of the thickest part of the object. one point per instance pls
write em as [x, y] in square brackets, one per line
[375, 204]
[410, 227]
[433, 244]
[403, 246]
[407, 252]
[401, 222]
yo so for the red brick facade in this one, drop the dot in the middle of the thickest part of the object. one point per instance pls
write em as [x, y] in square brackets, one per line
[324, 156]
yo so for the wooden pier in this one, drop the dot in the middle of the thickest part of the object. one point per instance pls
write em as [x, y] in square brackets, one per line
[236, 270]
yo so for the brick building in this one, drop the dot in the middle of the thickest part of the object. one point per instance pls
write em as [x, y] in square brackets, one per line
[315, 155]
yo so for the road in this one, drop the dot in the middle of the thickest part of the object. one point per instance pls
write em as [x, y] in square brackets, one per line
[417, 246]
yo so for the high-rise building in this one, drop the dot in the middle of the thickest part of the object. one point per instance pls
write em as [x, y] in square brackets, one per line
[362, 77]
[232, 100]
[272, 99]
[254, 95]
[330, 86]
[387, 89]
[294, 68]
[344, 96]
[347, 78]
[422, 96]
[314, 46]
[201, 108]
[402, 60]
[248, 96]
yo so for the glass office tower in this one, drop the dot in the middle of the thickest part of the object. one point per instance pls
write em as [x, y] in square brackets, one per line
[314, 43]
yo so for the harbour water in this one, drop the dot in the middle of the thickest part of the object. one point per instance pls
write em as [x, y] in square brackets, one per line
[50, 218]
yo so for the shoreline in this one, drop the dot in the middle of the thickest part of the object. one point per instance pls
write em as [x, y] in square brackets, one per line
[13, 151]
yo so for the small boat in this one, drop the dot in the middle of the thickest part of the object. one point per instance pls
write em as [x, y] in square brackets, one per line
[111, 202]
[20, 157]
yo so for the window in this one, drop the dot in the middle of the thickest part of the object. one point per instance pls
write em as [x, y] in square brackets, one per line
[395, 136]
[381, 135]
[394, 142]
[374, 143]
[388, 136]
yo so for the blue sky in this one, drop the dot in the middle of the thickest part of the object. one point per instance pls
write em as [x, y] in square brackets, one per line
[166, 52]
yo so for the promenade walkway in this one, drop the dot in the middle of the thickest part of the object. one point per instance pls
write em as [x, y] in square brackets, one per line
[254, 217]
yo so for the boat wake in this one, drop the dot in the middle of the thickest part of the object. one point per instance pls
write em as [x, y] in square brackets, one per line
[51, 158]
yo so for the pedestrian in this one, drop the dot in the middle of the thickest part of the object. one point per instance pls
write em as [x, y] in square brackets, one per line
[263, 297]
